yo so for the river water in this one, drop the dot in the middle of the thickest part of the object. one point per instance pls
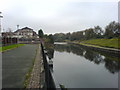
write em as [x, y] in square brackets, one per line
[78, 67]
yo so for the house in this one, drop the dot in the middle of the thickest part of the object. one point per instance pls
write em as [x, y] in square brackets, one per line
[26, 33]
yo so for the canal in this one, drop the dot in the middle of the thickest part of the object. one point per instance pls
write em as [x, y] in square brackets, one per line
[77, 67]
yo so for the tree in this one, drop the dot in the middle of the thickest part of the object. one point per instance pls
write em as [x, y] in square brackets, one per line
[112, 30]
[40, 33]
[117, 30]
[98, 31]
[51, 38]
[77, 36]
[68, 36]
[89, 33]
[10, 35]
[59, 37]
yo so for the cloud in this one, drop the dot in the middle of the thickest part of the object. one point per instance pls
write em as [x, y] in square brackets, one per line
[57, 15]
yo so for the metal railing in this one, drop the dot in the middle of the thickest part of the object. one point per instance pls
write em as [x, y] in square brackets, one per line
[49, 81]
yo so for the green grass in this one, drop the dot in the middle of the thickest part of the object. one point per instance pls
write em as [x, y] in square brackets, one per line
[4, 48]
[111, 43]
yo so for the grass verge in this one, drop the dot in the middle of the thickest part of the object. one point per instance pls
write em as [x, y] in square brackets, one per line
[4, 48]
[111, 43]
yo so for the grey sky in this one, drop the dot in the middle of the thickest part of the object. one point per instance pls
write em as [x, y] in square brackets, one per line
[54, 16]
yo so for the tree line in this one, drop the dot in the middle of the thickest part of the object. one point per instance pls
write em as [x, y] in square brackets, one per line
[112, 30]
[46, 38]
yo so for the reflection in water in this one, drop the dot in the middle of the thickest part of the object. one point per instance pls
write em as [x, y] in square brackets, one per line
[111, 63]
[78, 67]
[50, 55]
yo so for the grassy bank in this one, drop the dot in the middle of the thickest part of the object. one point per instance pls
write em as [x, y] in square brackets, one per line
[4, 48]
[111, 43]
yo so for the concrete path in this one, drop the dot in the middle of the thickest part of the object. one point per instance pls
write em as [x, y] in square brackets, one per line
[36, 74]
[15, 65]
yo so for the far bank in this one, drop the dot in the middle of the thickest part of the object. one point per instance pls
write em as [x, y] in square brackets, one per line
[105, 45]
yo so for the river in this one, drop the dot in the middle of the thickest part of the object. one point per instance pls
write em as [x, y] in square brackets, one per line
[77, 67]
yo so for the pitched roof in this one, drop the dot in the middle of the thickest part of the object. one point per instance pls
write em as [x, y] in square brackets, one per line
[23, 29]
[26, 28]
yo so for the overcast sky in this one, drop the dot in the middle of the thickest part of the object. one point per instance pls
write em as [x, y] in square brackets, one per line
[55, 16]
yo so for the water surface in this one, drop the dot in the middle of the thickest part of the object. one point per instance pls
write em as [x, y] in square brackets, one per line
[78, 67]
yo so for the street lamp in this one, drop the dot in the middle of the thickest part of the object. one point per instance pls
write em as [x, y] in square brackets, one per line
[0, 44]
[0, 20]
[0, 27]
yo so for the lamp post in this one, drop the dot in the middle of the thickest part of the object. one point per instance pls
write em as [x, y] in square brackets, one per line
[0, 20]
[0, 45]
[0, 27]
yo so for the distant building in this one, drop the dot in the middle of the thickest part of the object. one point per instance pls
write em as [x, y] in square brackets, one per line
[8, 34]
[25, 33]
[21, 33]
[8, 38]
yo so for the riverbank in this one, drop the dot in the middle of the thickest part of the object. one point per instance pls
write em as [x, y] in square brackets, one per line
[9, 47]
[98, 48]
[106, 45]
[109, 43]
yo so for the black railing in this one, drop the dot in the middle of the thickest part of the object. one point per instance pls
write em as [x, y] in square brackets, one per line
[49, 82]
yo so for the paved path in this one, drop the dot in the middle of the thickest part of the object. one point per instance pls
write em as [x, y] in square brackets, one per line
[36, 74]
[16, 64]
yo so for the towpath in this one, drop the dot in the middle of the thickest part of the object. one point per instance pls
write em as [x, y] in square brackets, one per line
[15, 65]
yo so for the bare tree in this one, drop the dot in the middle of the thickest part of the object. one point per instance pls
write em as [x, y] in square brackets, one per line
[10, 35]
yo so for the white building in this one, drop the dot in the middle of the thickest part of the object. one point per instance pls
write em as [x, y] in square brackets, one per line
[25, 33]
